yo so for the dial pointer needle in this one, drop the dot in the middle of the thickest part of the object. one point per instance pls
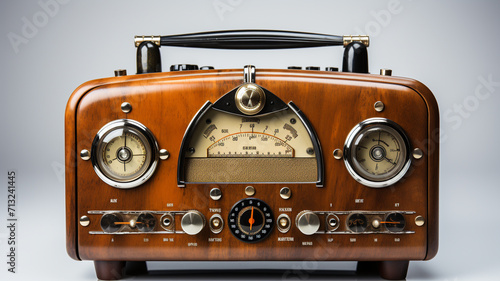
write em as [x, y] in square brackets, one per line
[125, 145]
[389, 160]
[251, 220]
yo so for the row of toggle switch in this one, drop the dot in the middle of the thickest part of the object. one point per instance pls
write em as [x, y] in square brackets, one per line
[308, 222]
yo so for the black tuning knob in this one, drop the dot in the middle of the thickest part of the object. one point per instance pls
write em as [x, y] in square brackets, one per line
[183, 67]
[295, 67]
[206, 67]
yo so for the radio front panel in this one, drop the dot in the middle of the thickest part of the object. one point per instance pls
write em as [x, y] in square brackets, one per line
[186, 166]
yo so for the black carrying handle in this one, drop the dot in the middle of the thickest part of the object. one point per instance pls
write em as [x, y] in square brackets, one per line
[148, 56]
[252, 39]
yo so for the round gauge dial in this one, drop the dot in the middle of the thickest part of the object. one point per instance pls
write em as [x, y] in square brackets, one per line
[377, 152]
[146, 222]
[357, 222]
[394, 222]
[111, 222]
[251, 220]
[124, 153]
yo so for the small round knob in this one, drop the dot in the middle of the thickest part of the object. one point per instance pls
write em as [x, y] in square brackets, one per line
[285, 193]
[250, 99]
[215, 194]
[307, 222]
[312, 68]
[192, 222]
[183, 67]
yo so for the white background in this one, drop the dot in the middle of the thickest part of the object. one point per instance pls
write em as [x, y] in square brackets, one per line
[451, 46]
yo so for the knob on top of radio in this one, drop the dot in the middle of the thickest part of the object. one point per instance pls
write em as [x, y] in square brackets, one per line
[183, 67]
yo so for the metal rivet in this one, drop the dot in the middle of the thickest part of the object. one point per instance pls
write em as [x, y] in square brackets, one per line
[418, 153]
[285, 193]
[386, 72]
[85, 154]
[379, 106]
[164, 154]
[337, 154]
[250, 191]
[215, 194]
[120, 72]
[419, 221]
[126, 107]
[84, 221]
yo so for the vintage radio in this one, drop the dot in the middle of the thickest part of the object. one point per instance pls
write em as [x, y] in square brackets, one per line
[204, 164]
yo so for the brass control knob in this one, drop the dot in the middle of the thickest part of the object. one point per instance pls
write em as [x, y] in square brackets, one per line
[250, 99]
[307, 222]
[192, 222]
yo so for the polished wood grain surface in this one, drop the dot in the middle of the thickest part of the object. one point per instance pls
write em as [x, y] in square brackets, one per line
[333, 102]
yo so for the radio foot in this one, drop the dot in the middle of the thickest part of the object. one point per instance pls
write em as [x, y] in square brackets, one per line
[393, 270]
[109, 270]
[136, 268]
[367, 268]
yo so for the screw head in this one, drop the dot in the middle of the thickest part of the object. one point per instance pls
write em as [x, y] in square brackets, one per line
[126, 107]
[250, 190]
[419, 221]
[164, 154]
[337, 154]
[85, 154]
[379, 106]
[215, 194]
[418, 153]
[285, 193]
[84, 221]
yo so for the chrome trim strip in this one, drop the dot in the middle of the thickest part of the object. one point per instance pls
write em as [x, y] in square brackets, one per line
[315, 142]
[187, 136]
